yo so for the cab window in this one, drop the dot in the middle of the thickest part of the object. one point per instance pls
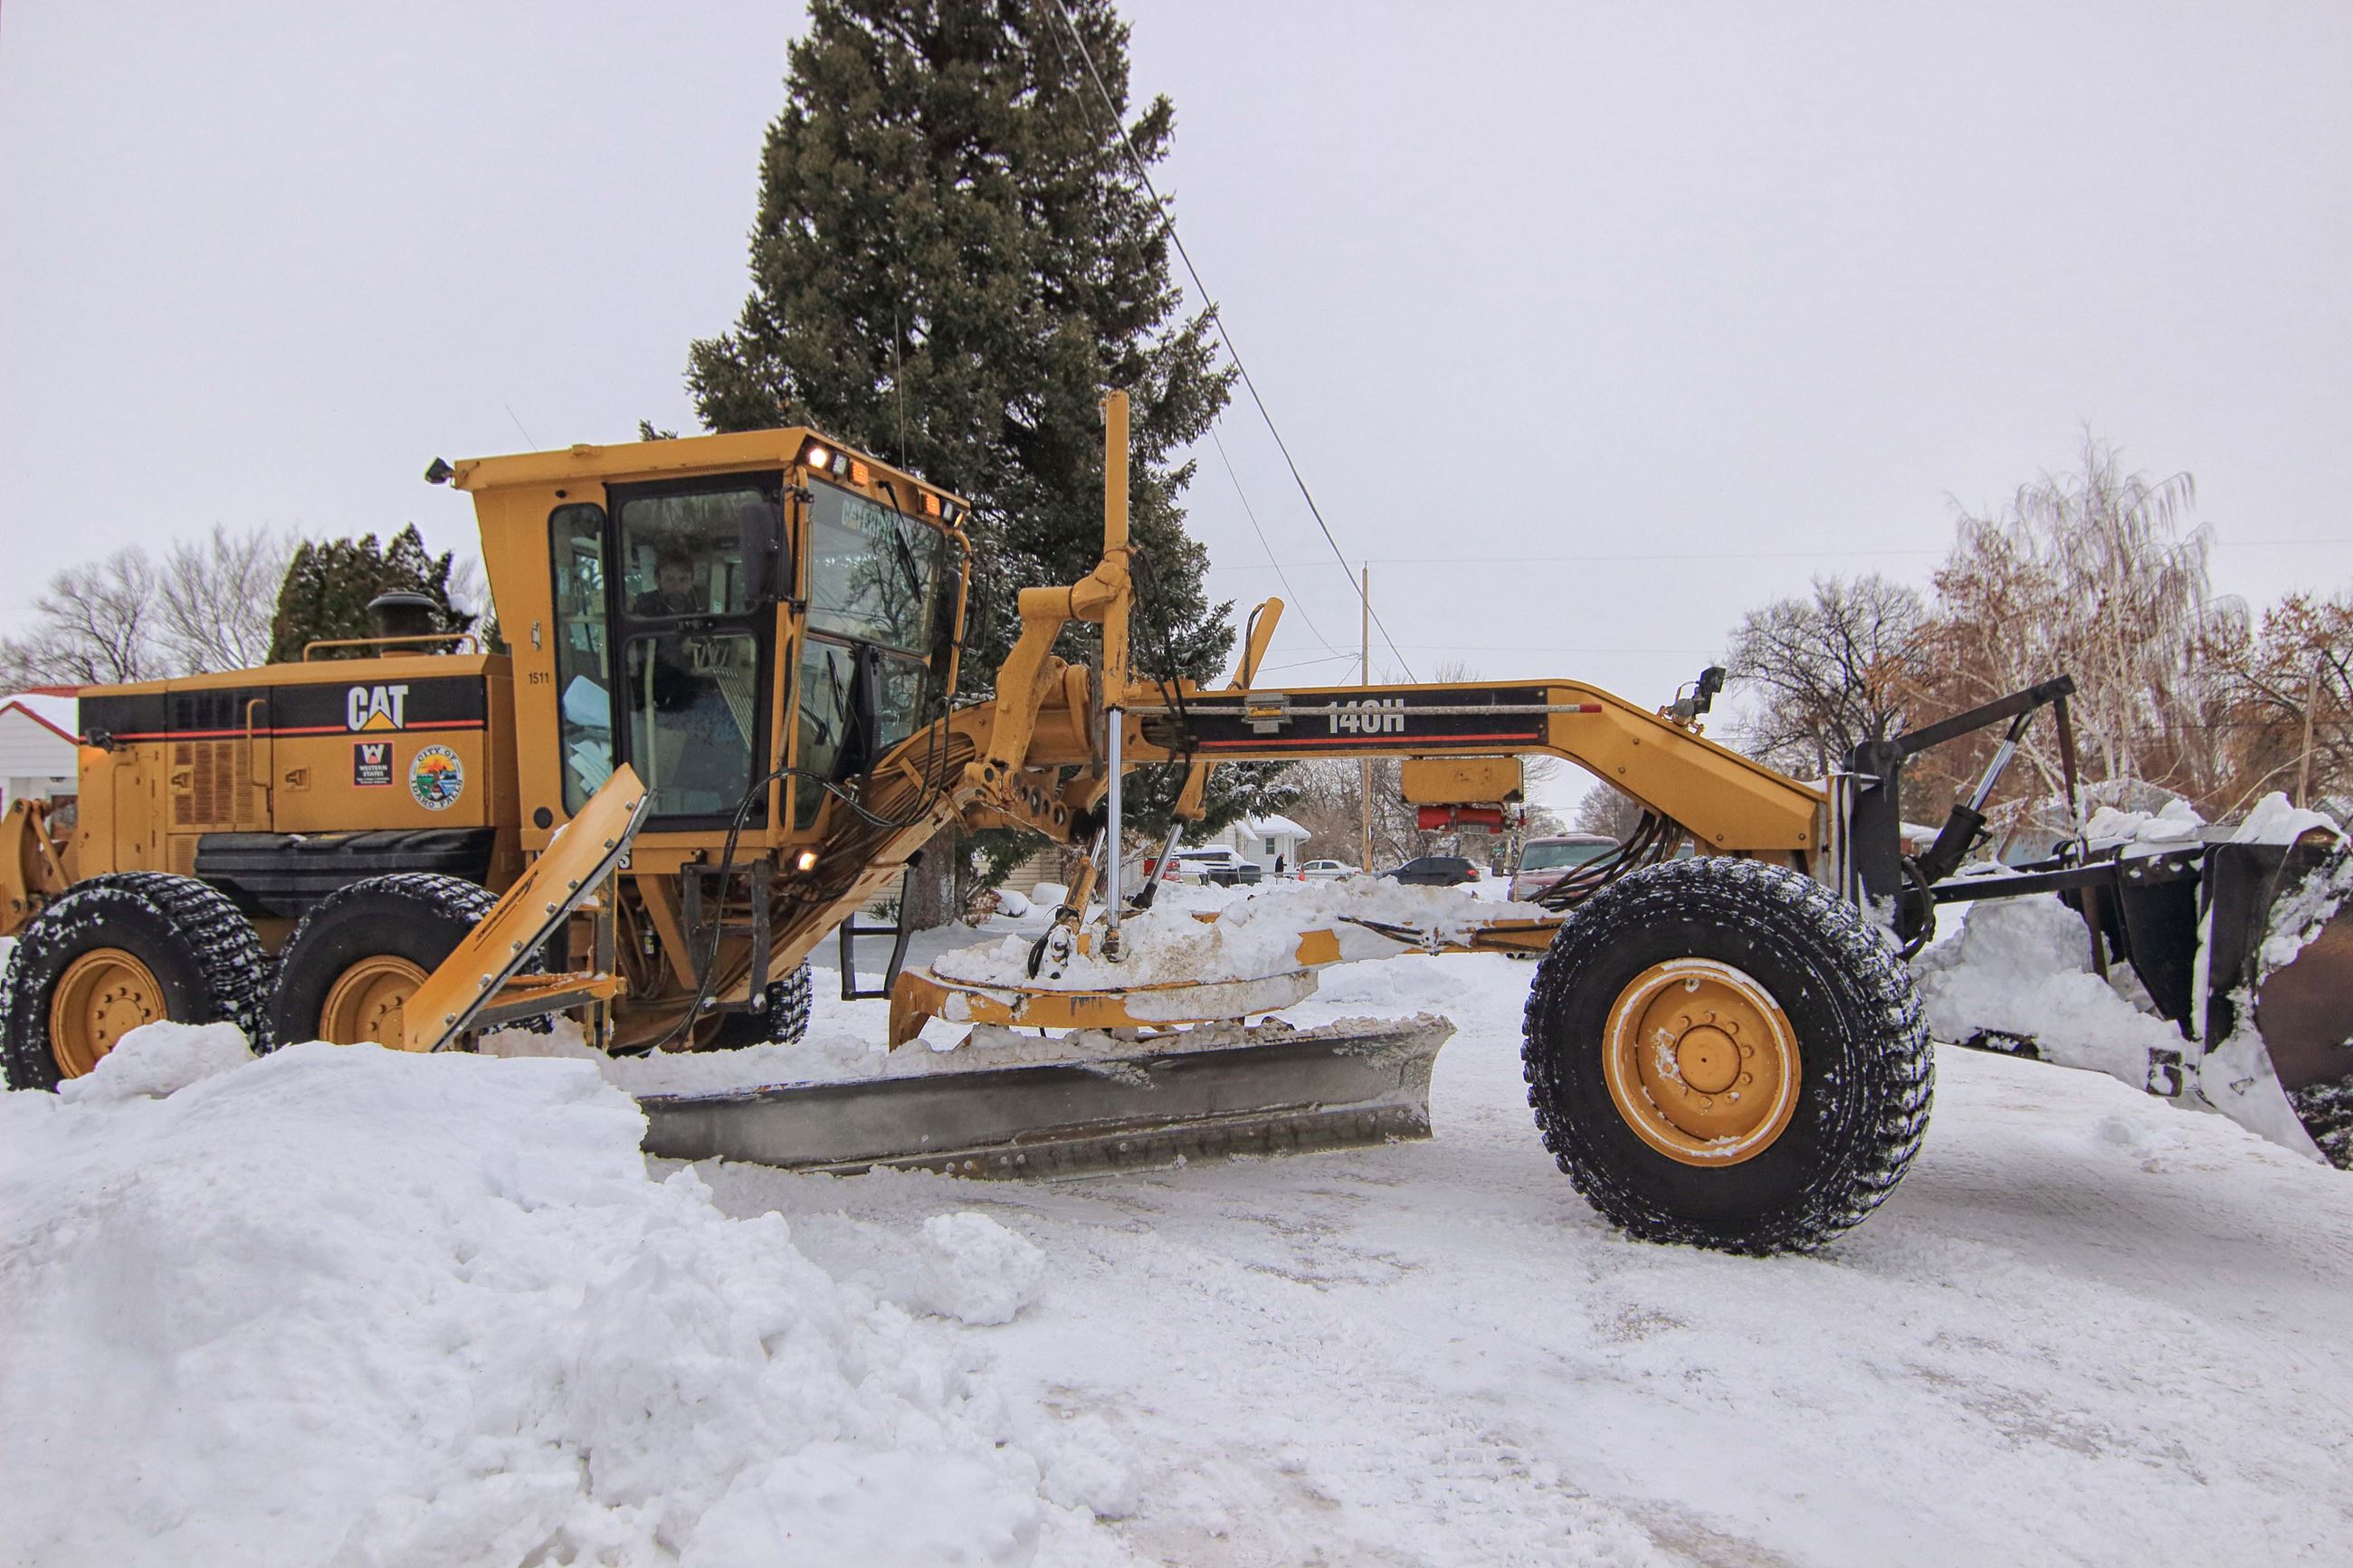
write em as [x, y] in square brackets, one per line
[583, 679]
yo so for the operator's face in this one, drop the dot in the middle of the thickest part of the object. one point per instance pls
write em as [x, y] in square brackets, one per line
[676, 580]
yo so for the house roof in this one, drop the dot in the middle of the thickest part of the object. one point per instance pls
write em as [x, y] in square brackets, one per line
[60, 714]
[1275, 826]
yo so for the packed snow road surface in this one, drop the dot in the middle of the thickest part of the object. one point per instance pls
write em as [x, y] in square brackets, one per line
[339, 1305]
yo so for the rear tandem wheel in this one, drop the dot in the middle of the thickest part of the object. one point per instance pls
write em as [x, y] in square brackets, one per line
[121, 950]
[1720, 1053]
[362, 950]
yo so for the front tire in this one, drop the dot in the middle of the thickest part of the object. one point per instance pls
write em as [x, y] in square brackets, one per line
[784, 1021]
[118, 951]
[363, 951]
[1721, 1054]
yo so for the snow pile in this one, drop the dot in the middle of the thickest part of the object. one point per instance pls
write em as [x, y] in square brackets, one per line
[1250, 939]
[976, 1271]
[2176, 826]
[342, 1304]
[2274, 821]
[2022, 967]
[160, 1058]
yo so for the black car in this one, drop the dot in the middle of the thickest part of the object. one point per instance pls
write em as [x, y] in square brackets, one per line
[1436, 871]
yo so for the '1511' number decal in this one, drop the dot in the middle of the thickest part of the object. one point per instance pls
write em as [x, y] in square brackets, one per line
[1368, 718]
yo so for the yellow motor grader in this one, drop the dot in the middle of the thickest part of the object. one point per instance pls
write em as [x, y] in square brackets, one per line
[725, 727]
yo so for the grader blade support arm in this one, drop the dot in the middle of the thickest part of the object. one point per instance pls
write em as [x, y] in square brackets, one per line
[574, 867]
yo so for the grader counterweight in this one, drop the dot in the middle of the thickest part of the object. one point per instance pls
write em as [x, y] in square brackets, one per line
[725, 726]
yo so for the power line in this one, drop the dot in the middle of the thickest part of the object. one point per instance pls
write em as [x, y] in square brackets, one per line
[1168, 219]
[1304, 663]
[1249, 511]
[1696, 555]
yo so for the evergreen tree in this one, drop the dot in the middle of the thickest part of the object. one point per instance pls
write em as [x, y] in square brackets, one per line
[329, 583]
[953, 259]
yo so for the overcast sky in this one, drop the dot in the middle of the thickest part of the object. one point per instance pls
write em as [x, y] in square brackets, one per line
[1591, 326]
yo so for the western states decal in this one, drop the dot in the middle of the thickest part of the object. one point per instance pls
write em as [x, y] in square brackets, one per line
[371, 764]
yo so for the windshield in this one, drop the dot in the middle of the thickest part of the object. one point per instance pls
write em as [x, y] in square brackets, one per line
[878, 576]
[882, 625]
[1545, 857]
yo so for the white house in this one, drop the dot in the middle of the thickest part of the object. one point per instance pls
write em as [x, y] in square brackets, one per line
[38, 745]
[1265, 839]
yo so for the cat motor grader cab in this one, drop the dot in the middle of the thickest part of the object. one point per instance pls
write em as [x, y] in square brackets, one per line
[725, 727]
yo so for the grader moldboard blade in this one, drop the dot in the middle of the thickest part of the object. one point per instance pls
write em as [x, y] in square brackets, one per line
[1212, 1090]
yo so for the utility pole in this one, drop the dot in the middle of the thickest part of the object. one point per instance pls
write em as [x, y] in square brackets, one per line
[2304, 768]
[1365, 678]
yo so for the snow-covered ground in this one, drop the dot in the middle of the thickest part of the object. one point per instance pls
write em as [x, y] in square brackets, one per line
[341, 1305]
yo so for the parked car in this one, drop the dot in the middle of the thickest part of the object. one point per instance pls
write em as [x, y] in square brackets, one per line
[1545, 861]
[1218, 863]
[1325, 870]
[1436, 871]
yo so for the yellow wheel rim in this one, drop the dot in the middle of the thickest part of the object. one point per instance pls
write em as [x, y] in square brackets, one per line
[365, 1002]
[102, 995]
[1702, 1062]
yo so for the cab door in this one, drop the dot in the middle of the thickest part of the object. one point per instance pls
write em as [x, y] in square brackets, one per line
[693, 583]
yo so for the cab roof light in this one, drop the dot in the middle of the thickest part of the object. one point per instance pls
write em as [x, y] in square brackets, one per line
[817, 456]
[931, 504]
[841, 465]
[859, 474]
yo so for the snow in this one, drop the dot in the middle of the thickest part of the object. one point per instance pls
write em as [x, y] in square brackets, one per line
[2274, 821]
[2085, 1330]
[2176, 826]
[976, 1271]
[1251, 938]
[2023, 966]
[343, 1304]
[158, 1060]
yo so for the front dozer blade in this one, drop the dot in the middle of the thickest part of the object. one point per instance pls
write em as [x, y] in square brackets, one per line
[1209, 1092]
[2282, 925]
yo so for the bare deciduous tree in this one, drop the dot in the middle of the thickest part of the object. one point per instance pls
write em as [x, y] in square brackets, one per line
[1607, 809]
[215, 597]
[1829, 670]
[103, 623]
[95, 625]
[2097, 575]
[2284, 713]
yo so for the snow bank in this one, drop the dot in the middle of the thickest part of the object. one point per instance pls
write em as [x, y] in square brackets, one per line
[1251, 938]
[342, 1304]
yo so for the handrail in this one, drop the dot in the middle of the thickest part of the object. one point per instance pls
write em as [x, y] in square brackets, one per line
[466, 636]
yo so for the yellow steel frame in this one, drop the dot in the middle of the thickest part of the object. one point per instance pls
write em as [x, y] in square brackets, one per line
[1034, 756]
